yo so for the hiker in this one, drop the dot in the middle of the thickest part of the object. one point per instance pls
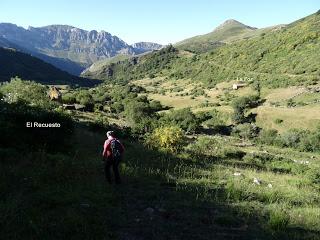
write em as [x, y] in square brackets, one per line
[112, 154]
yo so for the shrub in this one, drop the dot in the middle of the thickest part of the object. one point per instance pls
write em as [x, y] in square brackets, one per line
[27, 91]
[182, 118]
[69, 98]
[216, 120]
[278, 121]
[169, 138]
[116, 107]
[209, 146]
[85, 98]
[241, 105]
[268, 136]
[246, 131]
[155, 106]
[292, 137]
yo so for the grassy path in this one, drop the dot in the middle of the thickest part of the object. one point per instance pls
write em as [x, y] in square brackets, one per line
[147, 205]
[55, 196]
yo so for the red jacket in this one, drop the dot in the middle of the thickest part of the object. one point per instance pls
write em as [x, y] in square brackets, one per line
[107, 148]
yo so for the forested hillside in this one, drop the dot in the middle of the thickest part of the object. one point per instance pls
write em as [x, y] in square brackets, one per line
[287, 56]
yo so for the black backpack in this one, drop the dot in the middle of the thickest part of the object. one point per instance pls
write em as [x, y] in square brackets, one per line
[116, 149]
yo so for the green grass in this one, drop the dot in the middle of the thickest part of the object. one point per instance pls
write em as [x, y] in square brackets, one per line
[58, 196]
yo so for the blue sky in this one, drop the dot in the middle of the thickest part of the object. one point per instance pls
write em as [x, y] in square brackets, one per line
[165, 21]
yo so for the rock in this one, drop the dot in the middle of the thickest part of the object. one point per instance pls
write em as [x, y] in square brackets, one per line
[256, 181]
[77, 45]
[304, 162]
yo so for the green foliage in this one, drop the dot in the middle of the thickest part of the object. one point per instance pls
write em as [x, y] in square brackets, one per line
[205, 146]
[69, 98]
[85, 98]
[279, 58]
[30, 92]
[145, 66]
[246, 131]
[183, 118]
[278, 220]
[303, 140]
[268, 136]
[214, 119]
[170, 139]
[15, 133]
[241, 105]
[155, 106]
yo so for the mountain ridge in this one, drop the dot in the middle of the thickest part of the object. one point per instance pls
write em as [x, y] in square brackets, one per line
[66, 42]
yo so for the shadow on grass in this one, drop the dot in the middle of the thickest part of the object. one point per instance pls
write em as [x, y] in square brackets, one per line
[159, 208]
[65, 196]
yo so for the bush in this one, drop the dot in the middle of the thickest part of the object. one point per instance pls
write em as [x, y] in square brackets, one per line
[170, 139]
[155, 106]
[26, 91]
[85, 98]
[267, 136]
[209, 146]
[311, 142]
[69, 98]
[216, 120]
[303, 140]
[182, 118]
[292, 137]
[241, 105]
[246, 131]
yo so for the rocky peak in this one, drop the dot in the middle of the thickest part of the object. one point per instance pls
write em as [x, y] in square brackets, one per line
[231, 23]
[141, 47]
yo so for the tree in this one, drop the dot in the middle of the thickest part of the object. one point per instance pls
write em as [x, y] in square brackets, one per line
[241, 105]
[27, 91]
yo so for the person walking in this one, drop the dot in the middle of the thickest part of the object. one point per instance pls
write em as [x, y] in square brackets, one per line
[112, 155]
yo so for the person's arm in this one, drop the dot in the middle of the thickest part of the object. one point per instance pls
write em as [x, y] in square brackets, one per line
[105, 146]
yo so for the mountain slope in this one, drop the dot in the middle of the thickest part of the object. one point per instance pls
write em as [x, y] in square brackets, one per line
[69, 48]
[61, 63]
[278, 57]
[14, 63]
[228, 31]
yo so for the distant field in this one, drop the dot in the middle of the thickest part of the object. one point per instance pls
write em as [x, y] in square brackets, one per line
[307, 117]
